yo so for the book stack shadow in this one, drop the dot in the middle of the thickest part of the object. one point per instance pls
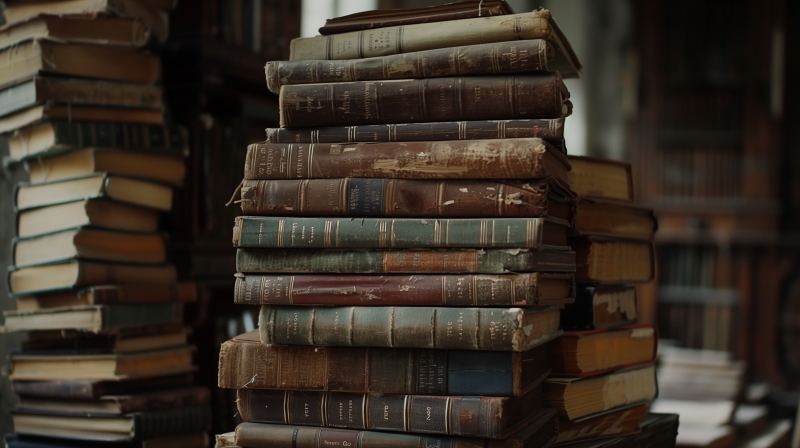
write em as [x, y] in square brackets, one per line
[406, 233]
[107, 360]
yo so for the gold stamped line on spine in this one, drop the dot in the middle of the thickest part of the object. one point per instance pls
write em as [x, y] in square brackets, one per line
[495, 58]
[326, 233]
[474, 293]
[407, 413]
[315, 136]
[351, 134]
[448, 409]
[494, 232]
[502, 128]
[287, 397]
[391, 327]
[462, 130]
[440, 188]
[310, 161]
[351, 331]
[530, 233]
[447, 232]
[392, 132]
[484, 230]
[437, 233]
[263, 296]
[337, 232]
[393, 234]
[281, 228]
[364, 414]
[289, 161]
[382, 233]
[291, 290]
[444, 290]
[513, 290]
[323, 408]
[344, 188]
[302, 195]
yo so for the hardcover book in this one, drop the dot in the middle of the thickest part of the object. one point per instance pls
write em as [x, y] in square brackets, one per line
[600, 307]
[586, 353]
[100, 213]
[143, 294]
[94, 318]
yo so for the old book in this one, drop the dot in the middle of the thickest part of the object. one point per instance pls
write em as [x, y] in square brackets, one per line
[540, 433]
[582, 353]
[655, 431]
[600, 307]
[534, 289]
[39, 56]
[520, 56]
[52, 111]
[190, 440]
[698, 413]
[94, 318]
[79, 92]
[90, 243]
[244, 362]
[607, 260]
[613, 219]
[165, 168]
[100, 367]
[580, 397]
[120, 404]
[86, 212]
[93, 186]
[79, 274]
[489, 417]
[550, 129]
[116, 31]
[62, 136]
[598, 178]
[406, 197]
[537, 24]
[620, 421]
[448, 98]
[691, 374]
[111, 427]
[114, 340]
[183, 292]
[94, 389]
[693, 437]
[422, 261]
[401, 233]
[467, 159]
[410, 327]
[382, 18]
[18, 11]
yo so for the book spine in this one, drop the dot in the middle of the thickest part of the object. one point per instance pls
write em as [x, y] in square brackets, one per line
[141, 294]
[164, 400]
[370, 370]
[483, 59]
[467, 261]
[120, 316]
[549, 129]
[150, 425]
[424, 36]
[469, 159]
[497, 329]
[399, 413]
[393, 197]
[118, 135]
[59, 389]
[422, 100]
[269, 232]
[394, 290]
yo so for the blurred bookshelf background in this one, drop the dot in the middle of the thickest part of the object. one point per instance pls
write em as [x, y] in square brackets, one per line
[698, 95]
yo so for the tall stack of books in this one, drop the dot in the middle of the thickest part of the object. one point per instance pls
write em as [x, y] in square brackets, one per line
[405, 234]
[107, 358]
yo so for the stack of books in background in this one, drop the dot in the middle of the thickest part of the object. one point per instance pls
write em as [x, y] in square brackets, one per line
[107, 357]
[409, 297]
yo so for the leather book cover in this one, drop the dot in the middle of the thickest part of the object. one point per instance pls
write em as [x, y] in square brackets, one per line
[449, 98]
[625, 342]
[604, 260]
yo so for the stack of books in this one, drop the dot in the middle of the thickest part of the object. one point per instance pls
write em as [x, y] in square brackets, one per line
[603, 365]
[107, 357]
[406, 234]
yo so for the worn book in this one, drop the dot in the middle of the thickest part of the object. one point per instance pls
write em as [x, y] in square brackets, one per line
[52, 111]
[538, 24]
[143, 294]
[550, 129]
[490, 97]
[86, 212]
[111, 427]
[382, 18]
[116, 31]
[80, 274]
[407, 261]
[519, 56]
[523, 158]
[617, 422]
[600, 307]
[246, 363]
[90, 243]
[532, 289]
[597, 178]
[586, 353]
[120, 404]
[402, 233]
[489, 417]
[62, 136]
[191, 440]
[79, 92]
[115, 340]
[655, 431]
[575, 398]
[32, 367]
[709, 375]
[92, 186]
[94, 389]
[163, 168]
[613, 219]
[539, 434]
[406, 197]
[93, 318]
[495, 329]
[612, 260]
[39, 56]
[702, 413]
[19, 11]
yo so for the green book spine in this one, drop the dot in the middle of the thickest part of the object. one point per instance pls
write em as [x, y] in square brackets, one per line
[275, 232]
[120, 316]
